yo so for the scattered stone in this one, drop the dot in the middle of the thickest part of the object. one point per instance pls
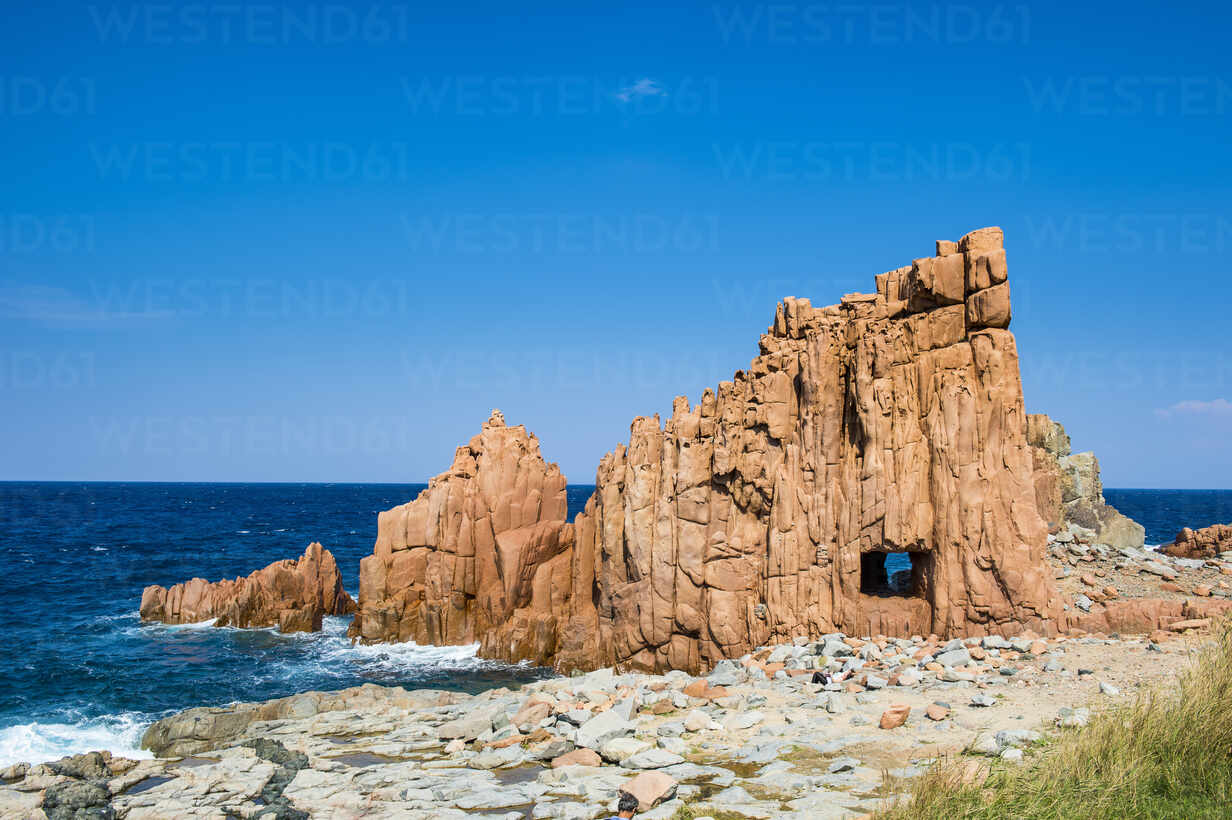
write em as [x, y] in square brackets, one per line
[743, 720]
[1156, 568]
[955, 657]
[1073, 718]
[650, 789]
[842, 764]
[603, 727]
[895, 716]
[578, 757]
[652, 759]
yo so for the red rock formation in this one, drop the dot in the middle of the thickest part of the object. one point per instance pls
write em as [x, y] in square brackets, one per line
[292, 595]
[1207, 542]
[460, 559]
[1143, 615]
[892, 421]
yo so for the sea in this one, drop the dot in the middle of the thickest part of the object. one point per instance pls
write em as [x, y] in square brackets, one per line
[80, 672]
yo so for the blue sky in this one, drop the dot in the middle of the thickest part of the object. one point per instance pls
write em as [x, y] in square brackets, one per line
[320, 242]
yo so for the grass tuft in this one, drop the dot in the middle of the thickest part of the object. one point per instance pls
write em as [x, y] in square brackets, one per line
[1166, 755]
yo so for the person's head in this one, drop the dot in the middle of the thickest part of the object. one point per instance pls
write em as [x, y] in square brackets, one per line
[627, 805]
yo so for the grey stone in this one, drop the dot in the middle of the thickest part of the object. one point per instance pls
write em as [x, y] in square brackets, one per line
[726, 673]
[652, 759]
[842, 764]
[1156, 568]
[603, 727]
[955, 657]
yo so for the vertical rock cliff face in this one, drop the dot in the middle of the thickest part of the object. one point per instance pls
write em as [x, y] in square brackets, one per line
[891, 422]
[486, 538]
[1068, 490]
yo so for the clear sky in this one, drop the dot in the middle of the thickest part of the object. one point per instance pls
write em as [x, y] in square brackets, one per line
[319, 242]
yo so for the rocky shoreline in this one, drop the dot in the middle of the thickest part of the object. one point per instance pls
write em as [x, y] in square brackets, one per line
[756, 738]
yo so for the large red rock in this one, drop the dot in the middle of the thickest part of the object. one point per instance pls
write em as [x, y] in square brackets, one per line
[1207, 542]
[484, 541]
[292, 595]
[650, 789]
[892, 421]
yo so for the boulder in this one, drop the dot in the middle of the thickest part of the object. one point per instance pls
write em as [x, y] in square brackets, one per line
[650, 789]
[652, 759]
[578, 757]
[600, 729]
[895, 716]
[293, 595]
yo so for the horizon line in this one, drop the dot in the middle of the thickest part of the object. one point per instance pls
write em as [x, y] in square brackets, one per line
[413, 483]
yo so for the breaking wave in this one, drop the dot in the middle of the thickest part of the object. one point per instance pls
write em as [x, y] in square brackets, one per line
[41, 742]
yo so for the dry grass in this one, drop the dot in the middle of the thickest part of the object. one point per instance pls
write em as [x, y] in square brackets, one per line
[1167, 755]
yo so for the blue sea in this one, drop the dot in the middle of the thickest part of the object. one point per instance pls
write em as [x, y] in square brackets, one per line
[78, 670]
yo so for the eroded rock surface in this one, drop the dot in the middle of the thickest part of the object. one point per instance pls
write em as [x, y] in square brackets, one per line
[292, 595]
[484, 540]
[892, 421]
[1068, 490]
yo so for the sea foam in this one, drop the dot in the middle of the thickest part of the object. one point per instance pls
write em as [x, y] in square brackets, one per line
[41, 742]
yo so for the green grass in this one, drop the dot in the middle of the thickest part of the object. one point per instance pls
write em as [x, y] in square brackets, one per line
[1167, 755]
[688, 813]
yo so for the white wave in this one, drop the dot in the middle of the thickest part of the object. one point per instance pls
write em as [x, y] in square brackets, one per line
[123, 616]
[242, 532]
[98, 549]
[333, 654]
[41, 742]
[154, 625]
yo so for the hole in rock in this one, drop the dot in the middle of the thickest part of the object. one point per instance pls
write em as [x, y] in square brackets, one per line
[894, 574]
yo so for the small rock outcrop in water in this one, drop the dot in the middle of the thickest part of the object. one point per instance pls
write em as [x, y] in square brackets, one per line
[291, 595]
[1207, 542]
[890, 422]
[1068, 490]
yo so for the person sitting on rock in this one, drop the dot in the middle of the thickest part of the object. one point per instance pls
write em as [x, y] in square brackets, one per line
[625, 807]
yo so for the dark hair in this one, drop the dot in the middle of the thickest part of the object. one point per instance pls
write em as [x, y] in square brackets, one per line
[627, 802]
